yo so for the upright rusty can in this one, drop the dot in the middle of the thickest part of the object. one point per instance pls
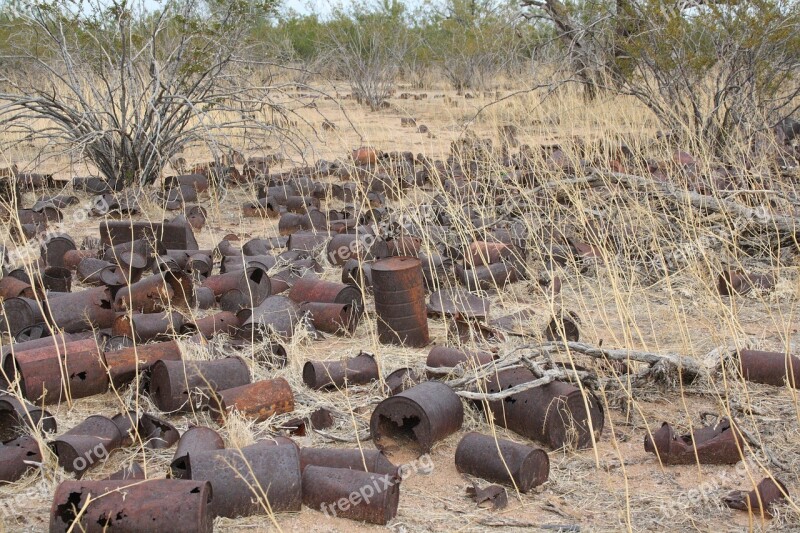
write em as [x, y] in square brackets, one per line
[157, 505]
[399, 289]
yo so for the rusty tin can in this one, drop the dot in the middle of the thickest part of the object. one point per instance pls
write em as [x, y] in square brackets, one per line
[125, 363]
[148, 327]
[196, 439]
[417, 417]
[184, 385]
[399, 289]
[334, 374]
[554, 414]
[502, 461]
[156, 505]
[332, 490]
[332, 318]
[770, 368]
[355, 459]
[17, 456]
[87, 444]
[256, 401]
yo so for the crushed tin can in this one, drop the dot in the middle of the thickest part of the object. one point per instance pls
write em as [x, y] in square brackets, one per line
[417, 417]
[399, 289]
[177, 506]
[720, 444]
[735, 282]
[357, 370]
[502, 461]
[760, 500]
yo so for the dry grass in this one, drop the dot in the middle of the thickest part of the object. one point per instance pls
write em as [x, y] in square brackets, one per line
[622, 303]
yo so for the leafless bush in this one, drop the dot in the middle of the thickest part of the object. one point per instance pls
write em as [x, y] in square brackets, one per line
[128, 89]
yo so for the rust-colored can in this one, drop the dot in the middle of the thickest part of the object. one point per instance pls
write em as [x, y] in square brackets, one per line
[770, 368]
[18, 417]
[502, 461]
[446, 357]
[196, 439]
[181, 386]
[153, 505]
[306, 241]
[87, 444]
[156, 293]
[57, 279]
[55, 248]
[554, 414]
[405, 245]
[211, 325]
[246, 476]
[148, 327]
[493, 276]
[417, 417]
[345, 246]
[15, 288]
[83, 310]
[277, 315]
[353, 371]
[18, 314]
[89, 270]
[257, 401]
[332, 318]
[50, 373]
[734, 282]
[399, 289]
[310, 289]
[254, 284]
[123, 363]
[355, 459]
[72, 258]
[334, 491]
[17, 456]
[358, 273]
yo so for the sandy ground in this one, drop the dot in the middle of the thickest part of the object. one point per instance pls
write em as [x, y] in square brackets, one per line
[615, 487]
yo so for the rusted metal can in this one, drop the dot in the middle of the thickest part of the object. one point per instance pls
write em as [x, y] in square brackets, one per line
[199, 266]
[196, 439]
[770, 368]
[17, 456]
[57, 279]
[355, 459]
[308, 289]
[204, 298]
[173, 235]
[357, 370]
[554, 414]
[502, 461]
[55, 248]
[306, 241]
[277, 315]
[256, 401]
[232, 263]
[15, 288]
[248, 476]
[87, 444]
[83, 310]
[148, 327]
[51, 373]
[493, 276]
[405, 245]
[399, 290]
[446, 357]
[482, 253]
[352, 494]
[18, 417]
[156, 293]
[332, 318]
[157, 505]
[254, 284]
[417, 417]
[125, 363]
[89, 270]
[301, 204]
[182, 386]
[345, 246]
[735, 282]
[72, 258]
[759, 501]
[18, 314]
[358, 273]
[400, 380]
[223, 322]
[720, 444]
